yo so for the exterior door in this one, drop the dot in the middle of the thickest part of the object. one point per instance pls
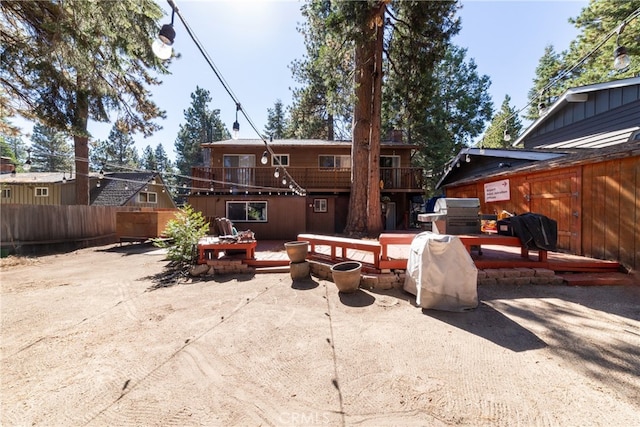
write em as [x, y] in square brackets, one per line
[556, 196]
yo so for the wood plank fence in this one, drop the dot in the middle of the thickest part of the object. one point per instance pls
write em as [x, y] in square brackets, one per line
[33, 228]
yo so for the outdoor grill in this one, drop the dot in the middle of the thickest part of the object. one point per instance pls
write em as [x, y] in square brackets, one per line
[454, 216]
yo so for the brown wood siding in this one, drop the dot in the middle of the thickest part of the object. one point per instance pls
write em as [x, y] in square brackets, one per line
[596, 205]
[285, 215]
[611, 210]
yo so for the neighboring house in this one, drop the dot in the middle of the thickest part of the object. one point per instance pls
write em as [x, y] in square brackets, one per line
[38, 188]
[136, 189]
[236, 185]
[581, 167]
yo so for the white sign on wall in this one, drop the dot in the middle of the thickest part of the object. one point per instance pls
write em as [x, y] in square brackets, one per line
[497, 191]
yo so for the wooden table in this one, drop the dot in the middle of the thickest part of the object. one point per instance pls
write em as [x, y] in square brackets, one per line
[470, 240]
[210, 247]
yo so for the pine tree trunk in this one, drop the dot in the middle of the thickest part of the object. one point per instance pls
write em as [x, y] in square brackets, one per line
[357, 217]
[81, 143]
[374, 216]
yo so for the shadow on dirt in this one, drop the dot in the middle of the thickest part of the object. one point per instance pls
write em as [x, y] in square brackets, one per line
[132, 248]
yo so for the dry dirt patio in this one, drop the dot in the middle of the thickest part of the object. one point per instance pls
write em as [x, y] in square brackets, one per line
[93, 337]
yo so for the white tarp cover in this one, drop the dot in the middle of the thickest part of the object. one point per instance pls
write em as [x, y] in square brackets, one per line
[441, 273]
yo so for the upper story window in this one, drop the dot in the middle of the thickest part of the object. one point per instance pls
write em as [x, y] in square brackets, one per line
[247, 211]
[6, 193]
[280, 160]
[330, 161]
[147, 197]
[42, 191]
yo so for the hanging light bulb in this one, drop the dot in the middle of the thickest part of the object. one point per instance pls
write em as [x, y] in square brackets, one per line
[236, 125]
[506, 136]
[621, 59]
[467, 158]
[161, 47]
[101, 174]
[276, 174]
[64, 178]
[153, 180]
[284, 181]
[264, 158]
[98, 184]
[542, 108]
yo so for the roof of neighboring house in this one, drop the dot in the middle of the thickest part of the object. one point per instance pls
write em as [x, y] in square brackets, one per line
[296, 143]
[118, 188]
[577, 94]
[473, 163]
[35, 177]
[559, 159]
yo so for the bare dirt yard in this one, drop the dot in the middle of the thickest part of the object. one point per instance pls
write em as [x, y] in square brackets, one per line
[96, 337]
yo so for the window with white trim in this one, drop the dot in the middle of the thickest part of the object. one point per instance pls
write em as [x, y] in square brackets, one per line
[247, 211]
[331, 161]
[147, 197]
[283, 160]
[42, 191]
[319, 205]
[6, 193]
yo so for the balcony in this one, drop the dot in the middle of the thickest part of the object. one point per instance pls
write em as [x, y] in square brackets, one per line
[312, 179]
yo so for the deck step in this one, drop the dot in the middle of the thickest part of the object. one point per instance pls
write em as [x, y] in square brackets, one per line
[276, 269]
[598, 279]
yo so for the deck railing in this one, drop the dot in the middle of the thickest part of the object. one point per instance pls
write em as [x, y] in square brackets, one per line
[223, 179]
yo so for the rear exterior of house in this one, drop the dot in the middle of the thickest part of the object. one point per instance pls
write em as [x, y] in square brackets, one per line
[236, 185]
[582, 169]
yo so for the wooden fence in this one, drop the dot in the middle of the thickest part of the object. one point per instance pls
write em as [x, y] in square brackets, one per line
[32, 228]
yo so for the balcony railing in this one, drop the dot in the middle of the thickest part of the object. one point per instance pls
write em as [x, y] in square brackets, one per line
[223, 179]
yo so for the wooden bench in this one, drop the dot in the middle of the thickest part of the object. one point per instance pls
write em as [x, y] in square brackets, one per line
[209, 248]
[471, 240]
[344, 244]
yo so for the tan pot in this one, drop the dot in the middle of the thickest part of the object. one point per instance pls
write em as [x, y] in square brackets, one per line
[297, 251]
[346, 276]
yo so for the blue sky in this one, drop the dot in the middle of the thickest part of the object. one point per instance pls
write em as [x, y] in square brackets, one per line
[253, 42]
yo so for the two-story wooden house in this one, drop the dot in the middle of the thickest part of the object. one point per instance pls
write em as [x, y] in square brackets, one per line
[237, 185]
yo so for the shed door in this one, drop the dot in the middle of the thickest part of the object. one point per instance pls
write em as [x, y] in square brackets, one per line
[556, 196]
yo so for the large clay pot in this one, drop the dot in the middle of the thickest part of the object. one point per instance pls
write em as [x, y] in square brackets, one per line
[297, 251]
[346, 276]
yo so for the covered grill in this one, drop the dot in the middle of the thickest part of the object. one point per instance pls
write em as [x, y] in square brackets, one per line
[454, 216]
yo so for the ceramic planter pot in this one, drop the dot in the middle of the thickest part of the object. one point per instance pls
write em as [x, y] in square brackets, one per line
[297, 251]
[346, 276]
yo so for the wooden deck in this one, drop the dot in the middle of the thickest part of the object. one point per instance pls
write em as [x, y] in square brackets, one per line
[271, 253]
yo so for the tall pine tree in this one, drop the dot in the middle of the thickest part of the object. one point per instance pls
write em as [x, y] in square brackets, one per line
[50, 150]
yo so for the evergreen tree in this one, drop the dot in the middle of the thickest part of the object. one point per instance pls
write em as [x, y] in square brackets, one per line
[65, 62]
[600, 18]
[163, 164]
[148, 161]
[276, 122]
[548, 71]
[202, 125]
[118, 152]
[323, 106]
[50, 150]
[504, 127]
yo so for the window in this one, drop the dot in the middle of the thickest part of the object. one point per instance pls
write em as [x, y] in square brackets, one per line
[334, 162]
[247, 211]
[42, 191]
[319, 205]
[6, 193]
[147, 197]
[282, 158]
[238, 168]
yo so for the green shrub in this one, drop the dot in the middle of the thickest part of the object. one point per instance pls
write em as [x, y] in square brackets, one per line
[183, 233]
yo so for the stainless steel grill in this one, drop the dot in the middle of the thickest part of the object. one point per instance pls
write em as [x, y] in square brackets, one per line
[454, 216]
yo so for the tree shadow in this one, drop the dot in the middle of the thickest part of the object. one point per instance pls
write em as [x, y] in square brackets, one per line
[490, 324]
[131, 248]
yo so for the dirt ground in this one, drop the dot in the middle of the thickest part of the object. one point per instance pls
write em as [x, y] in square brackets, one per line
[96, 337]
